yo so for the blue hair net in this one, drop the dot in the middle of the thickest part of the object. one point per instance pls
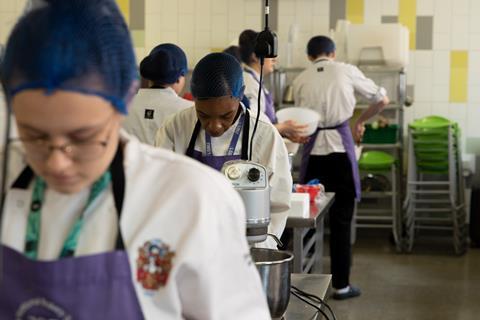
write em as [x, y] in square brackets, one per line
[217, 75]
[75, 45]
[320, 45]
[165, 64]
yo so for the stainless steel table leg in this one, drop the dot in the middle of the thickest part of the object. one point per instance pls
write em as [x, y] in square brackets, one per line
[298, 250]
[318, 266]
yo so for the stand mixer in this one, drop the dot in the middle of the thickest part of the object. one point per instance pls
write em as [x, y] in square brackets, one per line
[250, 179]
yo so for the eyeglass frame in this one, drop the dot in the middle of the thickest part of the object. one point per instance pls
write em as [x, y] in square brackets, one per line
[42, 143]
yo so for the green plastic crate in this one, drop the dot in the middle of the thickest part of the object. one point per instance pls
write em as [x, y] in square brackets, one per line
[380, 135]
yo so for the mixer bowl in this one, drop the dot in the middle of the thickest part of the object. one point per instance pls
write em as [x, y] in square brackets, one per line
[274, 267]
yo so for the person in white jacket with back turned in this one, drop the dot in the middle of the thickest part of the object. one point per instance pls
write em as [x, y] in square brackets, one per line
[329, 88]
[165, 68]
[98, 225]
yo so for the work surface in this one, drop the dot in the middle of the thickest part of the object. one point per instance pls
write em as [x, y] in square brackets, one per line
[317, 284]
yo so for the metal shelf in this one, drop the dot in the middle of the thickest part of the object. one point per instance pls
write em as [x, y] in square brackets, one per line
[390, 107]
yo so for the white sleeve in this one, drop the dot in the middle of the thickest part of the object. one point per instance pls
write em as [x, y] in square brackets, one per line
[271, 151]
[165, 136]
[225, 283]
[366, 87]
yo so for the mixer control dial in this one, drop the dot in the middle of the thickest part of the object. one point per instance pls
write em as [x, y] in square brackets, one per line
[253, 174]
[234, 173]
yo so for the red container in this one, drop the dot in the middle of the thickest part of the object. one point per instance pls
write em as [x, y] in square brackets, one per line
[312, 190]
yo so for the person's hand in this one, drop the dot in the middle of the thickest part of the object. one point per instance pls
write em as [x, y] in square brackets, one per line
[358, 131]
[293, 131]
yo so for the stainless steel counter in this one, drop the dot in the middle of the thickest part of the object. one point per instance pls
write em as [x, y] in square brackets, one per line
[307, 248]
[317, 284]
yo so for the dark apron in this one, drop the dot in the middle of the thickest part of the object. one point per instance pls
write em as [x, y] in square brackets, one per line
[95, 286]
[269, 104]
[217, 162]
[347, 139]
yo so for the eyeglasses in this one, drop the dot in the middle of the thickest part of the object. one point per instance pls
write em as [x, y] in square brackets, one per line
[40, 149]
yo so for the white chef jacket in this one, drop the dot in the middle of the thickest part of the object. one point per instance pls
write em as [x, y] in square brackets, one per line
[329, 88]
[169, 197]
[149, 109]
[251, 91]
[268, 149]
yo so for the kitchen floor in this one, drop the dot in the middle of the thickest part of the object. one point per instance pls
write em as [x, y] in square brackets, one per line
[430, 283]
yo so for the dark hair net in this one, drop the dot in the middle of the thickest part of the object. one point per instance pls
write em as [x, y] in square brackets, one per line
[75, 45]
[246, 42]
[217, 75]
[320, 45]
[165, 64]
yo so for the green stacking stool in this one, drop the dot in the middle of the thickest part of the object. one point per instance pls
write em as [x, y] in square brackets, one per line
[379, 162]
[435, 187]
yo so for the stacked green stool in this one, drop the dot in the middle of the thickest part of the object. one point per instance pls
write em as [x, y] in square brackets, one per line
[435, 195]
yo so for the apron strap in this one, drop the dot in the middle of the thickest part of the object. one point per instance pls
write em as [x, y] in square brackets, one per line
[118, 186]
[193, 139]
[245, 137]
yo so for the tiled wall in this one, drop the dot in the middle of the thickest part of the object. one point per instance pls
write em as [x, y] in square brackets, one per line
[444, 70]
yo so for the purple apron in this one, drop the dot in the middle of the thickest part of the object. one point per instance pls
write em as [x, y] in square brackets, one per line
[217, 162]
[344, 130]
[269, 105]
[88, 287]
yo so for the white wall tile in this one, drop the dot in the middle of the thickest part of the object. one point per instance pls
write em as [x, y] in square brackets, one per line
[219, 7]
[460, 34]
[7, 6]
[169, 36]
[200, 52]
[474, 42]
[185, 7]
[254, 7]
[425, 7]
[474, 95]
[203, 22]
[153, 27]
[286, 7]
[202, 39]
[253, 22]
[422, 109]
[441, 68]
[443, 16]
[440, 93]
[424, 58]
[423, 84]
[186, 30]
[461, 7]
[410, 70]
[373, 11]
[320, 25]
[321, 7]
[169, 19]
[474, 22]
[219, 34]
[441, 109]
[19, 6]
[390, 7]
[474, 67]
[153, 6]
[473, 112]
[202, 7]
[441, 41]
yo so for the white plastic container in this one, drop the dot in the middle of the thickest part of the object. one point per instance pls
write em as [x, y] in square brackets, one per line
[301, 116]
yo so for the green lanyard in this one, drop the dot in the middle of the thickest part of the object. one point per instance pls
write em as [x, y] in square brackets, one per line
[34, 217]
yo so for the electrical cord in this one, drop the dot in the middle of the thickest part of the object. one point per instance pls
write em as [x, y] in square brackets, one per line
[310, 299]
[262, 60]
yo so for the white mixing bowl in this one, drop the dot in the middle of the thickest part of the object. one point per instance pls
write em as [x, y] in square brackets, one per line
[301, 116]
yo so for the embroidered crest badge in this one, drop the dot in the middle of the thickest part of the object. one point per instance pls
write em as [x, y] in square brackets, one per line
[154, 263]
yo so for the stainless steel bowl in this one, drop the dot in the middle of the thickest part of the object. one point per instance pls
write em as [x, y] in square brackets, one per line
[274, 267]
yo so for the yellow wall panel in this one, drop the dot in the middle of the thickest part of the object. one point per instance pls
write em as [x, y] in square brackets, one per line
[459, 76]
[355, 11]
[408, 17]
[124, 6]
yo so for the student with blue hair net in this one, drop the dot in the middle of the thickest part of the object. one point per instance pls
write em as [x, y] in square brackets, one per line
[219, 127]
[165, 68]
[329, 87]
[98, 225]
